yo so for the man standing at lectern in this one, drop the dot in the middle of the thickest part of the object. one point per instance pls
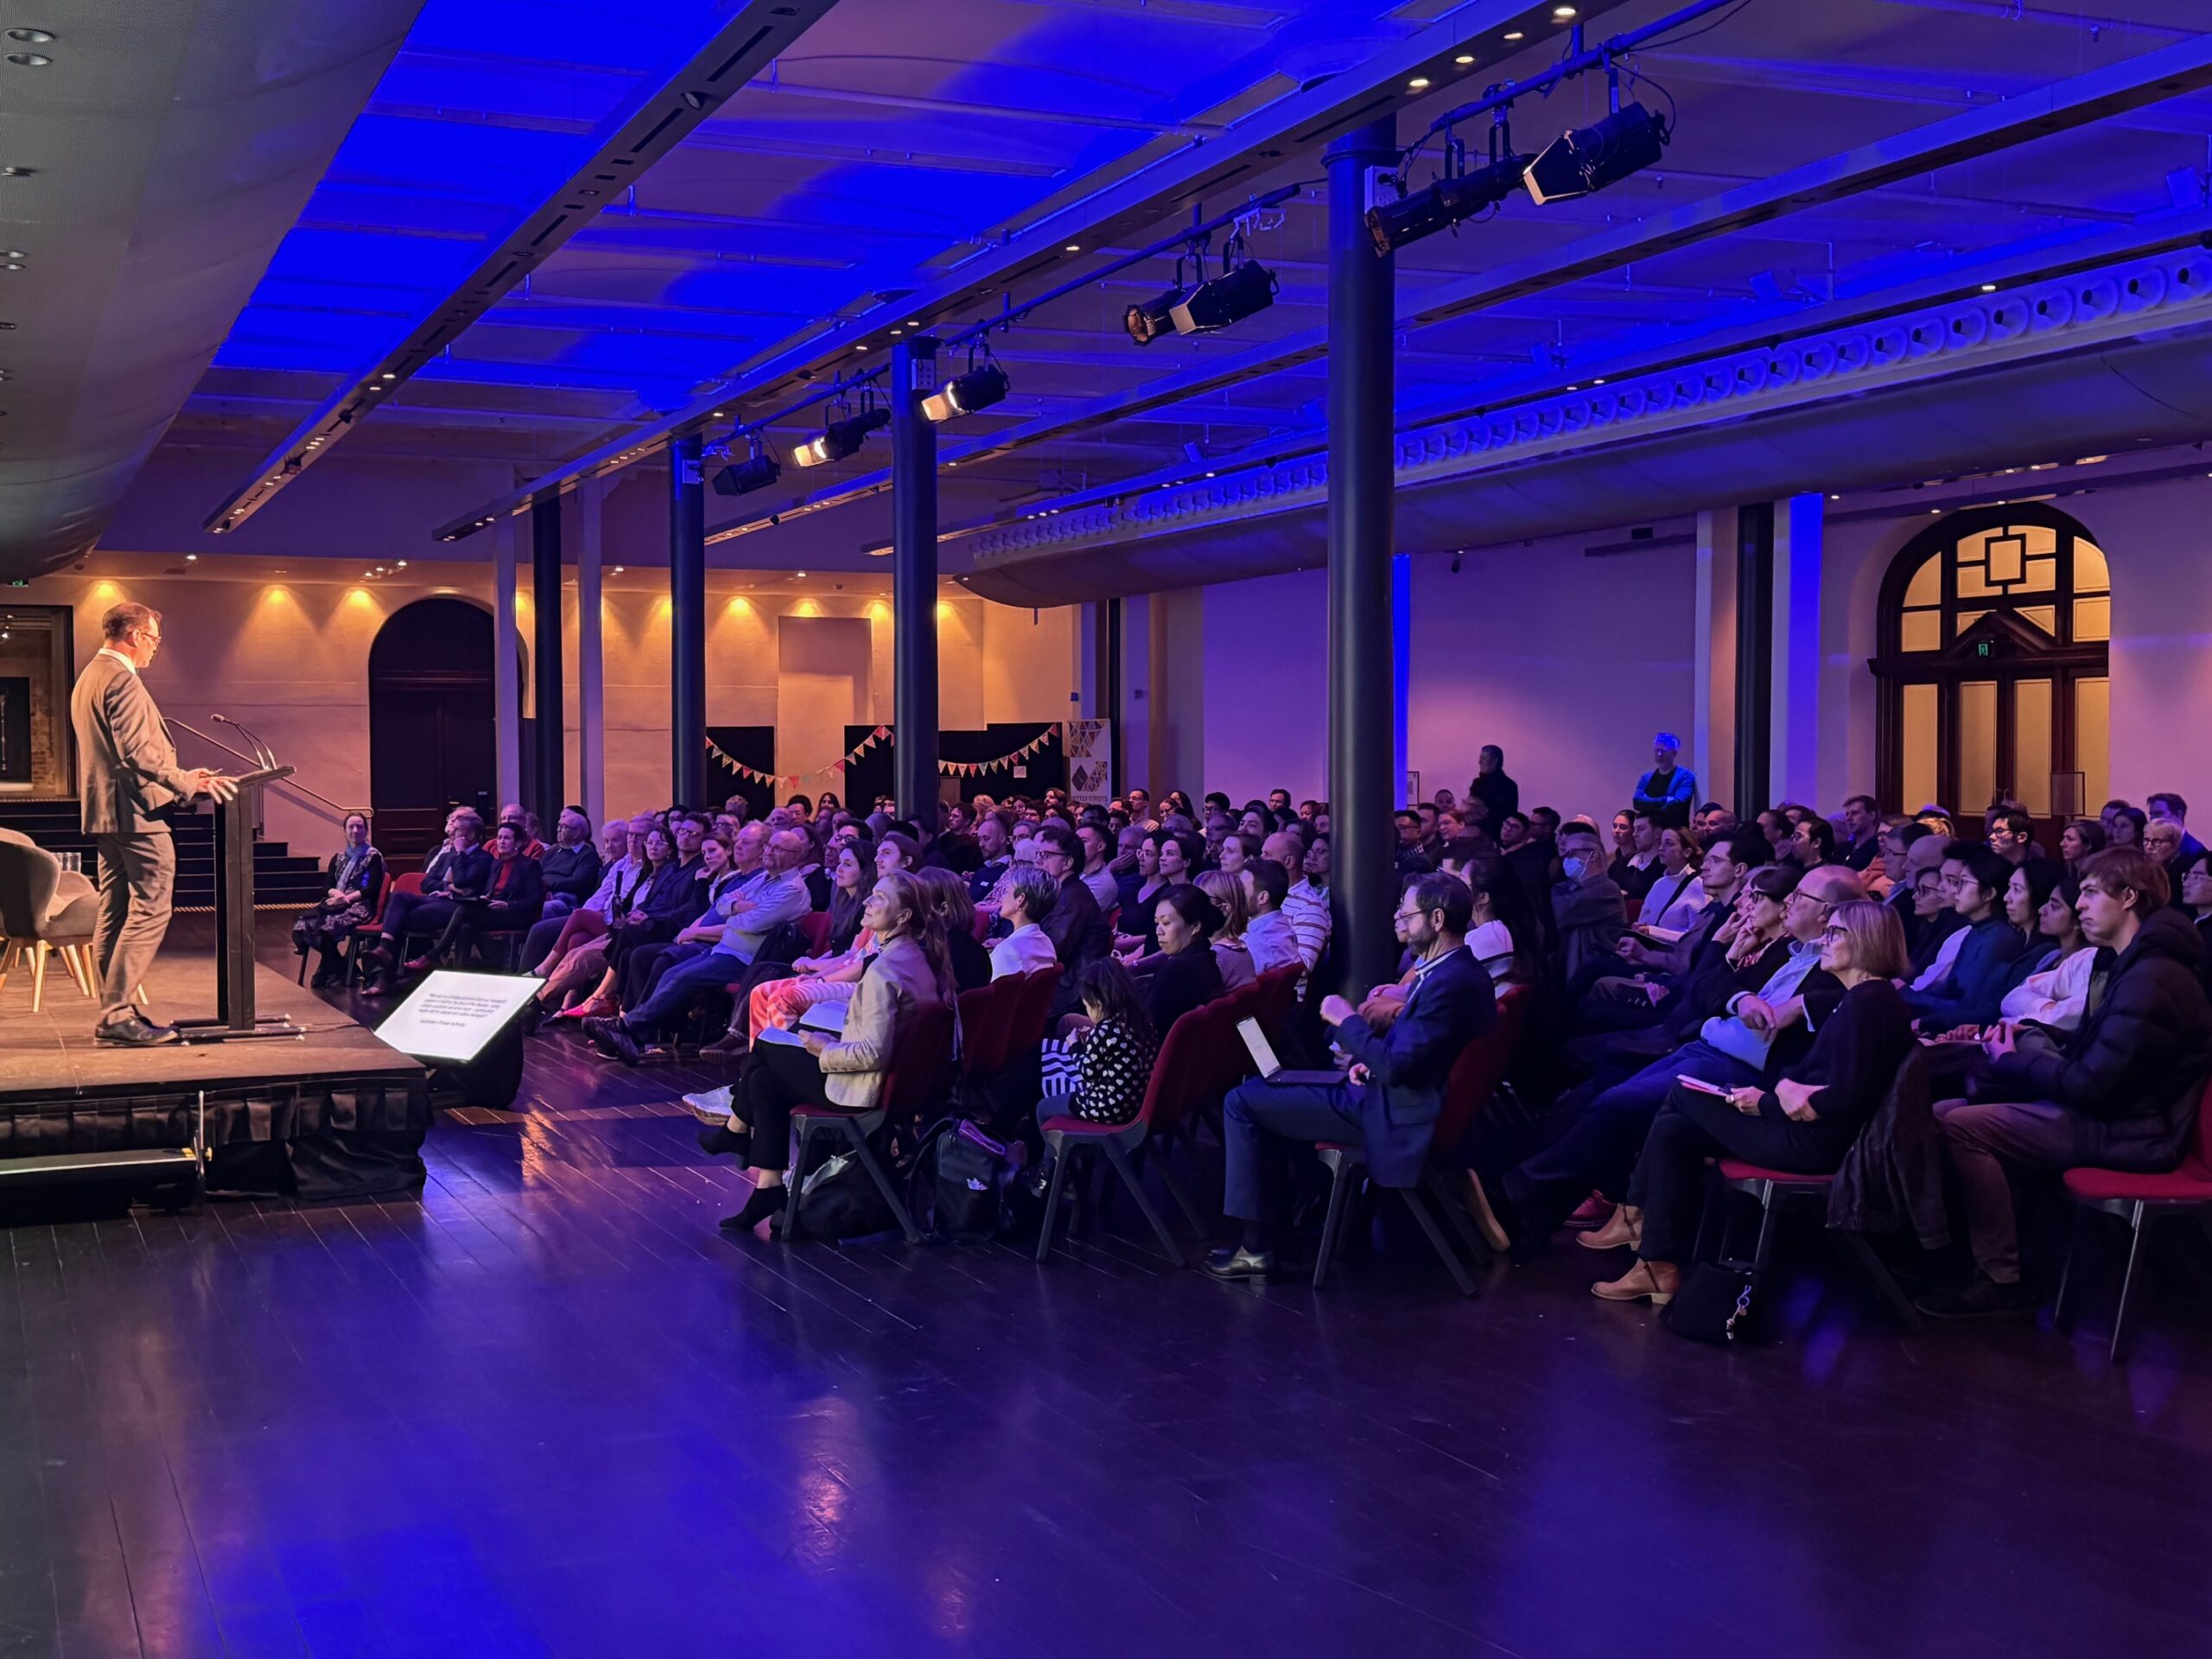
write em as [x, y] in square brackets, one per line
[126, 772]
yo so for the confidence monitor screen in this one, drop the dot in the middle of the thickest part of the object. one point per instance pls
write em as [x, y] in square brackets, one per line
[449, 1017]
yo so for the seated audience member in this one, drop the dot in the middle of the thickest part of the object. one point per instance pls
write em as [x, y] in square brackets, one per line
[1713, 820]
[2028, 889]
[508, 903]
[1779, 830]
[948, 895]
[1233, 956]
[2119, 1093]
[1268, 934]
[1813, 843]
[571, 864]
[356, 878]
[1676, 896]
[526, 822]
[1922, 905]
[2012, 834]
[1803, 1122]
[2162, 845]
[896, 850]
[2078, 842]
[1586, 904]
[1721, 872]
[1667, 792]
[1305, 906]
[1634, 862]
[1237, 849]
[1077, 926]
[719, 878]
[1412, 861]
[1185, 972]
[909, 974]
[2169, 808]
[2055, 994]
[1029, 899]
[1502, 931]
[1390, 1098]
[1967, 981]
[778, 1000]
[459, 868]
[2196, 900]
[1740, 941]
[2124, 826]
[1113, 1054]
[1883, 874]
[1141, 885]
[669, 899]
[728, 937]
[993, 848]
[1862, 832]
[625, 872]
[1759, 1033]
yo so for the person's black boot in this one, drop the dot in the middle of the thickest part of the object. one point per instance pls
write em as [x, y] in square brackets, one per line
[765, 1202]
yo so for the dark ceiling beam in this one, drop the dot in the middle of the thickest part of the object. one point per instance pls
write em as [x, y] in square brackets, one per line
[650, 124]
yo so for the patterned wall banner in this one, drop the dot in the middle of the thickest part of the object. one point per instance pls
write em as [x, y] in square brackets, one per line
[1090, 746]
[880, 735]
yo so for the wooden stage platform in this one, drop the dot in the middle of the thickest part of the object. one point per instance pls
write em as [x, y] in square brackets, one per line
[285, 1114]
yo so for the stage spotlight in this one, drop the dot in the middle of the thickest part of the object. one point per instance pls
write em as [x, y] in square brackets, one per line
[756, 472]
[966, 393]
[1227, 299]
[1587, 159]
[1444, 204]
[840, 438]
[1149, 319]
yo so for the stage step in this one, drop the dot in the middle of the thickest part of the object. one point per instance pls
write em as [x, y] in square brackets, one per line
[282, 879]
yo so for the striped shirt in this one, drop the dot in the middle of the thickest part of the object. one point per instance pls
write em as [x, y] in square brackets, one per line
[1306, 908]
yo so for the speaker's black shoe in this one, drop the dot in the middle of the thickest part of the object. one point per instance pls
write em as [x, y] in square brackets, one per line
[134, 1030]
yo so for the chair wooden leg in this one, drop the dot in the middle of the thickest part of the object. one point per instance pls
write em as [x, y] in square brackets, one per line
[1119, 1158]
[2127, 1284]
[10, 952]
[1341, 1174]
[1437, 1241]
[38, 948]
[85, 974]
[1056, 1143]
[882, 1179]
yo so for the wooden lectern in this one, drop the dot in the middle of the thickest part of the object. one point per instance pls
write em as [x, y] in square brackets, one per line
[234, 959]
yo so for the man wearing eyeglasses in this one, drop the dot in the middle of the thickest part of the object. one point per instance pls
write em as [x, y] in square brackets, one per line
[1076, 926]
[126, 774]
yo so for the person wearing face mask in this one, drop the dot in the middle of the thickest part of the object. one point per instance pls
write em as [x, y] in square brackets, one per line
[1389, 1099]
[1586, 909]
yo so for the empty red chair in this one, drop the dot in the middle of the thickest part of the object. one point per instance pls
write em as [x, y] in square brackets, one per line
[2138, 1198]
[815, 926]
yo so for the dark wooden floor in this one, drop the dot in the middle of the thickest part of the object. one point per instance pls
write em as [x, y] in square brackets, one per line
[550, 1410]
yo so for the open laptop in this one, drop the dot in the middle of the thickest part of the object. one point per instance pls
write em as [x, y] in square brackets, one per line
[1271, 1068]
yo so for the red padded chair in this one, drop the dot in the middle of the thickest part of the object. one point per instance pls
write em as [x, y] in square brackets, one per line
[1476, 1076]
[1178, 1082]
[1041, 987]
[2138, 1198]
[365, 935]
[986, 1015]
[919, 1068]
[1276, 993]
[980, 926]
[815, 926]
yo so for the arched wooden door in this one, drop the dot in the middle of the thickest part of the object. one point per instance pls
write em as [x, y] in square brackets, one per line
[431, 742]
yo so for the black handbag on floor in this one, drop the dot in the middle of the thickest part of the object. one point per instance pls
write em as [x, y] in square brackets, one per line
[960, 1184]
[1713, 1304]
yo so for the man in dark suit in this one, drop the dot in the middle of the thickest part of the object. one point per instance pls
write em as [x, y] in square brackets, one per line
[1077, 926]
[127, 773]
[1391, 1097]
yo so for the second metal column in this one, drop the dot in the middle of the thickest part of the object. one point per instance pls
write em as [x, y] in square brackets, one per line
[913, 582]
[687, 632]
[551, 729]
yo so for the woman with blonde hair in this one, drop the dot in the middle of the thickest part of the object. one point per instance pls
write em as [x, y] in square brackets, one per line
[1804, 1124]
[1230, 951]
[909, 974]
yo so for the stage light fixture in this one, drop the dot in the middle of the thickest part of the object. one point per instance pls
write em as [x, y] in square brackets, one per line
[756, 472]
[1587, 159]
[965, 394]
[1231, 298]
[1444, 204]
[1147, 319]
[840, 438]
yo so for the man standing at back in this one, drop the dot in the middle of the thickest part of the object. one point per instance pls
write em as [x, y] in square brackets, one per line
[126, 772]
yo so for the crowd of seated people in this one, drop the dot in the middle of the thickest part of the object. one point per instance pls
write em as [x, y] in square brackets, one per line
[1713, 987]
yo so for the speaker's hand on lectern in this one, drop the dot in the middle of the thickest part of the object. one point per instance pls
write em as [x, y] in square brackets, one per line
[214, 783]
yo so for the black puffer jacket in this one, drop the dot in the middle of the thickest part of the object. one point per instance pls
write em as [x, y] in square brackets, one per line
[2138, 1062]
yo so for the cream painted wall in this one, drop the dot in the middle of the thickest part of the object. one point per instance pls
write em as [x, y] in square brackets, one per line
[290, 655]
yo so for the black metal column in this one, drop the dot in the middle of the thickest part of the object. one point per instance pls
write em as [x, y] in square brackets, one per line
[1114, 693]
[1754, 655]
[551, 728]
[1362, 737]
[913, 582]
[687, 633]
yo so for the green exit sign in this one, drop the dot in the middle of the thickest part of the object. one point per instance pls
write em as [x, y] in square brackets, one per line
[1983, 648]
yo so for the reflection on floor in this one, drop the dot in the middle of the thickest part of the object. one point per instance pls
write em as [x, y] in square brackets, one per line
[550, 1410]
